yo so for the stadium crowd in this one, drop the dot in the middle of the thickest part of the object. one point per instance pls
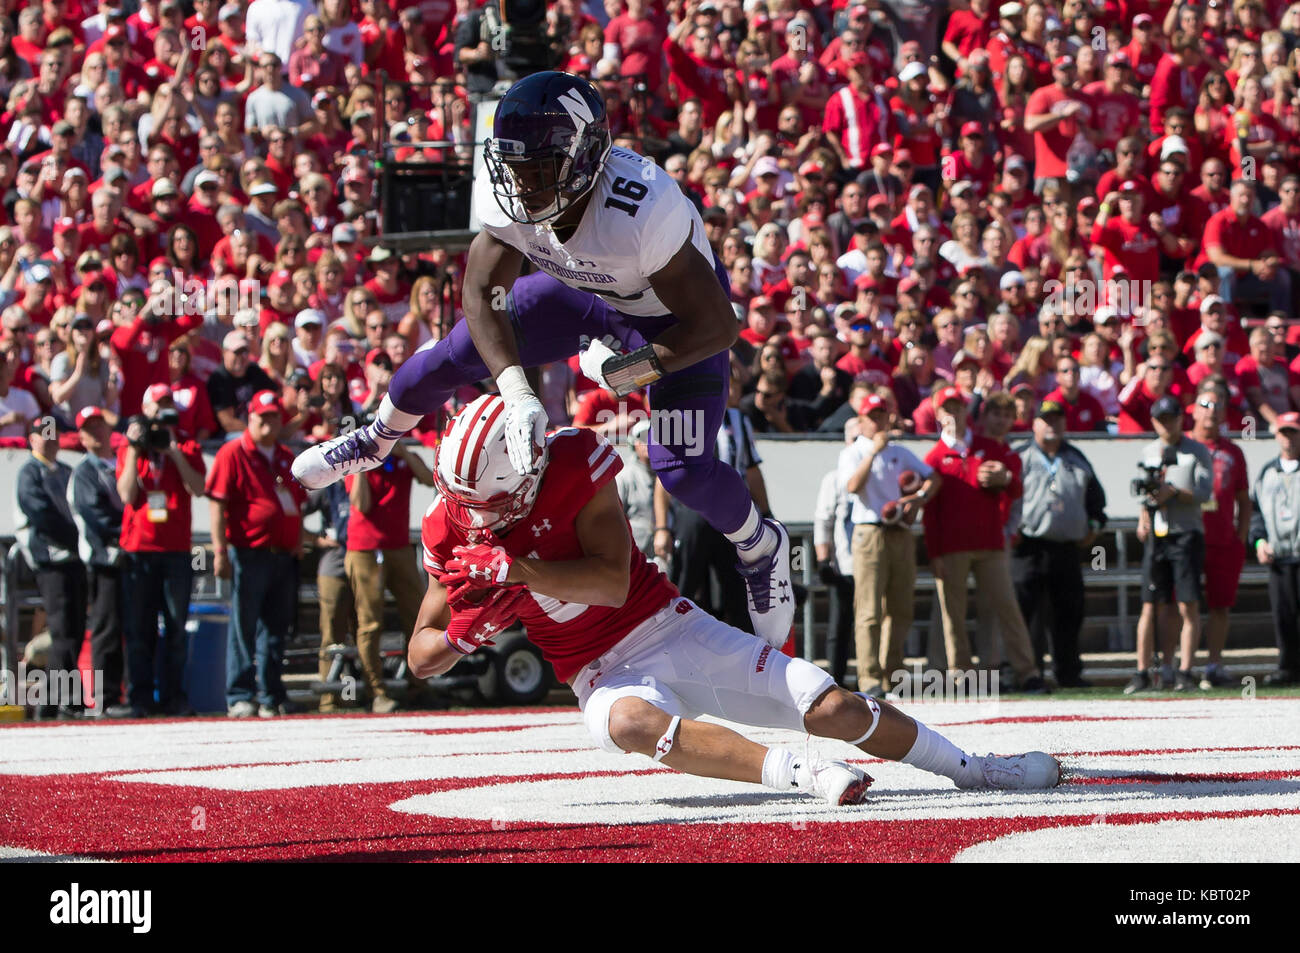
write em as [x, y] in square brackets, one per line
[1094, 206]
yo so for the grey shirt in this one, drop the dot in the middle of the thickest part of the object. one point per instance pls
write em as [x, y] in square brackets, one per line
[286, 107]
[1194, 471]
[1061, 494]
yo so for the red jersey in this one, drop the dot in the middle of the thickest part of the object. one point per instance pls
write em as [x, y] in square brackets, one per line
[263, 500]
[1247, 239]
[159, 519]
[1230, 478]
[965, 516]
[191, 399]
[1085, 414]
[1133, 246]
[570, 634]
[1052, 143]
[1275, 382]
[1115, 114]
[386, 525]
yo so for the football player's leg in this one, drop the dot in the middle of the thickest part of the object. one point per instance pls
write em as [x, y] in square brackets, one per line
[687, 413]
[548, 319]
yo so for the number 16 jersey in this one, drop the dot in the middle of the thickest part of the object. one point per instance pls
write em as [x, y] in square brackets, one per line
[636, 220]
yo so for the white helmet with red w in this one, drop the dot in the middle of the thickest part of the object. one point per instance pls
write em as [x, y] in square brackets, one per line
[480, 488]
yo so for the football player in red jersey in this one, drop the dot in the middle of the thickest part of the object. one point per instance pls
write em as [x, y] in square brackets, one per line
[554, 550]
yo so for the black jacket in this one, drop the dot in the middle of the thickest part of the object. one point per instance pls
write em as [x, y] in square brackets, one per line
[45, 530]
[97, 511]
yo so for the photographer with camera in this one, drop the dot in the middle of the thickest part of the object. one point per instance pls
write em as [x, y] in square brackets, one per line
[156, 475]
[1177, 479]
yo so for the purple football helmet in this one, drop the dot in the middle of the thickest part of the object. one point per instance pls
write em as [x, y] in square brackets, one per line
[551, 137]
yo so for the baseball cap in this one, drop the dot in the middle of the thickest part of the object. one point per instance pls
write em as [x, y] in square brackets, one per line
[766, 166]
[263, 188]
[1211, 301]
[1119, 58]
[1172, 145]
[870, 404]
[377, 355]
[959, 188]
[946, 394]
[309, 316]
[205, 177]
[882, 149]
[162, 188]
[343, 233]
[1166, 406]
[156, 393]
[866, 282]
[245, 318]
[1063, 62]
[380, 254]
[1012, 279]
[234, 340]
[1016, 162]
[911, 71]
[1130, 185]
[1009, 10]
[973, 129]
[1288, 421]
[902, 155]
[1206, 338]
[1104, 315]
[1143, 19]
[877, 200]
[265, 402]
[963, 357]
[115, 31]
[281, 278]
[82, 322]
[64, 225]
[39, 272]
[908, 284]
[1049, 408]
[87, 414]
[811, 168]
[230, 11]
[759, 301]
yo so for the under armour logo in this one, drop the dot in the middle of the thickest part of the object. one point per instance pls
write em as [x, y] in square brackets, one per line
[665, 745]
[488, 628]
[539, 529]
[479, 573]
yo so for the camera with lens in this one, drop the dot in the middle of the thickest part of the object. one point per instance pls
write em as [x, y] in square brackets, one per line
[155, 432]
[1153, 475]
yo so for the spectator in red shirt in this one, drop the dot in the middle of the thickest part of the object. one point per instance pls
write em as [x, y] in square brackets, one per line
[1227, 525]
[1055, 114]
[857, 116]
[1243, 248]
[1083, 412]
[968, 31]
[1177, 78]
[1268, 383]
[380, 558]
[157, 473]
[1284, 220]
[965, 527]
[1131, 240]
[256, 508]
[1142, 391]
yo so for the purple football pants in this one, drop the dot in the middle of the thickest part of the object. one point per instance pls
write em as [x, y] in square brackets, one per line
[550, 322]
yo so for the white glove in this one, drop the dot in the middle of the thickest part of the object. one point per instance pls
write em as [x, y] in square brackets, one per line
[525, 420]
[592, 358]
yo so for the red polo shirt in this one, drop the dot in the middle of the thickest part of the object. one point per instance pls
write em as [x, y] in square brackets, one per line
[387, 525]
[159, 519]
[263, 500]
[965, 516]
[1248, 239]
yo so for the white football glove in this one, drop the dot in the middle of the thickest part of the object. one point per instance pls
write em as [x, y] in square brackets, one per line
[525, 421]
[592, 358]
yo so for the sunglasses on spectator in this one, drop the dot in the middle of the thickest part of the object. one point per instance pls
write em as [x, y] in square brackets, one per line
[1158, 368]
[376, 327]
[1208, 403]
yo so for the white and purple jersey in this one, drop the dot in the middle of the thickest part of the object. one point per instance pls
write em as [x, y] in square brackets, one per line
[636, 221]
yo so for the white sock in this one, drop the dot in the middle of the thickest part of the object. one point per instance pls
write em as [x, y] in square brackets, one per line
[778, 769]
[934, 753]
[754, 539]
[390, 424]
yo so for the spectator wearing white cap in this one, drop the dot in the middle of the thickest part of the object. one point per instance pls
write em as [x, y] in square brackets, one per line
[308, 326]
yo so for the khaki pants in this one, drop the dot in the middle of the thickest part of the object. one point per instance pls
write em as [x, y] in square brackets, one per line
[369, 578]
[337, 622]
[992, 569]
[884, 582]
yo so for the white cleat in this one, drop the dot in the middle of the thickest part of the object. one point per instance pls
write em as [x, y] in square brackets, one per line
[354, 452]
[1033, 771]
[834, 781]
[768, 591]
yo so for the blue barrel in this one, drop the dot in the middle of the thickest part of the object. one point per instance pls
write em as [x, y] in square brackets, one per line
[205, 666]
